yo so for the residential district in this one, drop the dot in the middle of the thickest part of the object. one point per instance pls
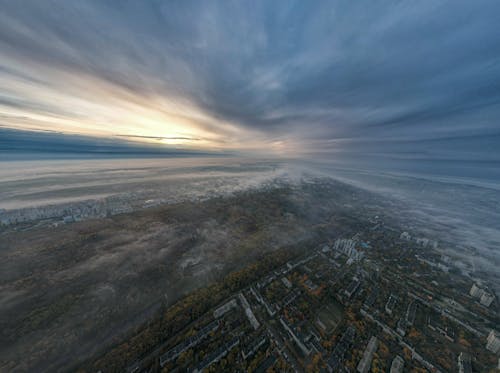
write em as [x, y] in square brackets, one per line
[377, 301]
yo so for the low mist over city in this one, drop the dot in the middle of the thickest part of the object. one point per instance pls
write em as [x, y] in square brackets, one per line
[265, 186]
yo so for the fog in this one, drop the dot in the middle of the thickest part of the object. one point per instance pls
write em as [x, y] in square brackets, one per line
[25, 184]
[461, 213]
[464, 211]
[187, 222]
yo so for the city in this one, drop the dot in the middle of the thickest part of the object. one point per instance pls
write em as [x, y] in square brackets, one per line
[375, 302]
[249, 186]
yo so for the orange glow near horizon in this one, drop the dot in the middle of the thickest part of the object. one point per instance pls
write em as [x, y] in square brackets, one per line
[75, 103]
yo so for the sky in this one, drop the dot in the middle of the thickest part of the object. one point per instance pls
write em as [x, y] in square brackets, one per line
[374, 83]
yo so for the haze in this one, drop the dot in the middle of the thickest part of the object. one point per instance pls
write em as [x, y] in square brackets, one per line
[331, 167]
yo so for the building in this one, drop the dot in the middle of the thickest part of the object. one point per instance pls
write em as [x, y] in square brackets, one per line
[389, 306]
[344, 244]
[424, 242]
[475, 291]
[175, 352]
[484, 296]
[310, 285]
[306, 351]
[401, 327]
[290, 297]
[411, 312]
[351, 289]
[405, 236]
[347, 247]
[217, 354]
[366, 361]
[248, 312]
[397, 365]
[493, 342]
[253, 348]
[464, 364]
[434, 323]
[262, 301]
[486, 299]
[266, 364]
[226, 307]
[286, 282]
[370, 300]
[336, 360]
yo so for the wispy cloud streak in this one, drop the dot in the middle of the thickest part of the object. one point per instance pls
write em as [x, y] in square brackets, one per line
[294, 78]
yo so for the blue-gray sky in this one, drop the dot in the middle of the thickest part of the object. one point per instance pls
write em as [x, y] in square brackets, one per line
[333, 80]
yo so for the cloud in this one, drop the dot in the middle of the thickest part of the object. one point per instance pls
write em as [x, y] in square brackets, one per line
[160, 138]
[246, 76]
[18, 144]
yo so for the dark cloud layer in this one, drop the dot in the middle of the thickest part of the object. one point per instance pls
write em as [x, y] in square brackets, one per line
[346, 80]
[15, 145]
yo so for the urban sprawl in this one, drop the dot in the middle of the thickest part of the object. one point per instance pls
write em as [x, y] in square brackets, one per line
[380, 301]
